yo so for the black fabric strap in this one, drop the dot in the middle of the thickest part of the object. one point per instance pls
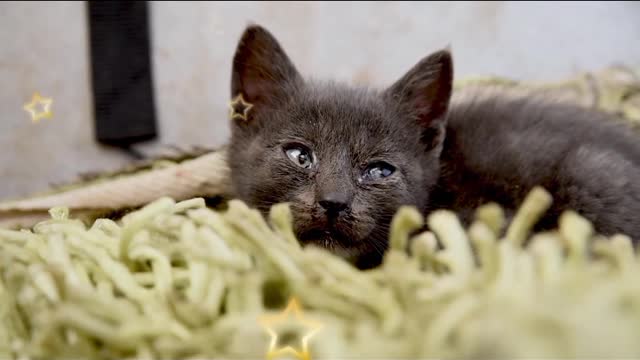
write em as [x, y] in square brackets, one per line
[121, 72]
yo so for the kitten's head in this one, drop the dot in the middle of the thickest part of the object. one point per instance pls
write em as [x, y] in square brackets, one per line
[345, 159]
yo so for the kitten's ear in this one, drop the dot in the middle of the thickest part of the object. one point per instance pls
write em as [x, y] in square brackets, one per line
[261, 68]
[424, 91]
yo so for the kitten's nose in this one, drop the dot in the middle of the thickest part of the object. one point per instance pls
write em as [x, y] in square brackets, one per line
[334, 203]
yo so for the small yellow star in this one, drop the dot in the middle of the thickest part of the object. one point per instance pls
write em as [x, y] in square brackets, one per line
[268, 322]
[239, 108]
[32, 107]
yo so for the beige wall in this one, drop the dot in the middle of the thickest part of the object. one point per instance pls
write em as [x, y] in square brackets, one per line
[43, 47]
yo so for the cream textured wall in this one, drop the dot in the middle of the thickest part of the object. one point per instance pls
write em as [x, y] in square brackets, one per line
[43, 47]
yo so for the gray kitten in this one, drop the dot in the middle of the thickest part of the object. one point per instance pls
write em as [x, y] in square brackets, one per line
[346, 158]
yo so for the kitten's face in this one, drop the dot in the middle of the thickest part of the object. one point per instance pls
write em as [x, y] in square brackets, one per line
[344, 159]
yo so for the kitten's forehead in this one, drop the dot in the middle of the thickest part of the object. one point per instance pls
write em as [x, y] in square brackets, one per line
[355, 117]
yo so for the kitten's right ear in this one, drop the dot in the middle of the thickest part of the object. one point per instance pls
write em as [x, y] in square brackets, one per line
[424, 93]
[261, 69]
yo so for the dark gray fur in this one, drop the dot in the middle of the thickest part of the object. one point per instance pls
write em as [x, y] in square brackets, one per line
[455, 154]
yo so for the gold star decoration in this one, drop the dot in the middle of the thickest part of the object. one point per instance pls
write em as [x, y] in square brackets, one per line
[33, 107]
[239, 108]
[272, 322]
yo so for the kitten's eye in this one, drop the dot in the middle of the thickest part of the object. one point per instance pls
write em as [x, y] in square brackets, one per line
[378, 171]
[300, 155]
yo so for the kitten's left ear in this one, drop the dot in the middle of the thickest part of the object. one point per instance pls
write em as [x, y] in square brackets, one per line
[261, 69]
[424, 91]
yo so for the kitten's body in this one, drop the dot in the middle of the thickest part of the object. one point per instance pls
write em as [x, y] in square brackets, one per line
[347, 158]
[498, 147]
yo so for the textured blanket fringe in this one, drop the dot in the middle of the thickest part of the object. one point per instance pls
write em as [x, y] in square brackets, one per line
[178, 280]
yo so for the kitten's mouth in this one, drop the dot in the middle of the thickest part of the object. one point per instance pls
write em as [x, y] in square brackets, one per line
[332, 240]
[326, 238]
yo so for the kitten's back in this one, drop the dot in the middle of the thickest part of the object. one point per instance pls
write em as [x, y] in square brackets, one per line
[500, 144]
